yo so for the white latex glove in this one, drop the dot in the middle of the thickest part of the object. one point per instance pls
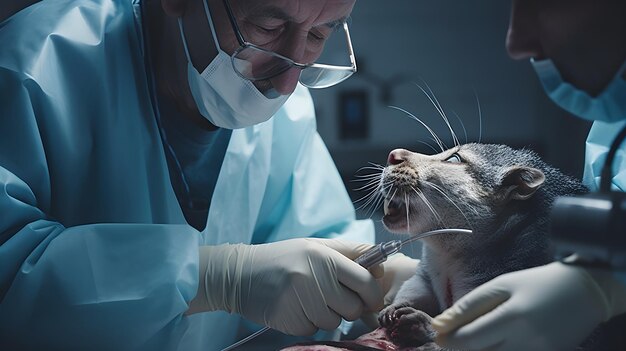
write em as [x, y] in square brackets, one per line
[553, 307]
[396, 270]
[295, 286]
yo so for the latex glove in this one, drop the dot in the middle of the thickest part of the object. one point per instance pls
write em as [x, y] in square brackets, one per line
[295, 286]
[396, 270]
[552, 307]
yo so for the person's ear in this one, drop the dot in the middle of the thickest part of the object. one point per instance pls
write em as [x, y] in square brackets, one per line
[520, 183]
[174, 8]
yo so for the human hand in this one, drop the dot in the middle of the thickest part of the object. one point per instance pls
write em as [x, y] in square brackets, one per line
[552, 307]
[396, 270]
[295, 286]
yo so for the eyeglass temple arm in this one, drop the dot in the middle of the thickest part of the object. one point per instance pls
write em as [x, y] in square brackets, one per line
[350, 49]
[233, 22]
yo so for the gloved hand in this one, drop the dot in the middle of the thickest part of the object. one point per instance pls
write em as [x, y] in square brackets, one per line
[396, 270]
[552, 307]
[295, 286]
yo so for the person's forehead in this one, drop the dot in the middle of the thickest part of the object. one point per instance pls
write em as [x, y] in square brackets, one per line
[313, 12]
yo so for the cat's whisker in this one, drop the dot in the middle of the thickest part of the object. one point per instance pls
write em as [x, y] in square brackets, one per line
[385, 184]
[377, 204]
[480, 119]
[427, 144]
[375, 191]
[361, 176]
[437, 139]
[362, 206]
[462, 125]
[406, 205]
[376, 165]
[394, 194]
[367, 178]
[366, 196]
[439, 108]
[443, 115]
[386, 187]
[435, 213]
[368, 181]
[371, 199]
[385, 190]
[374, 183]
[428, 204]
[442, 192]
[370, 168]
[369, 188]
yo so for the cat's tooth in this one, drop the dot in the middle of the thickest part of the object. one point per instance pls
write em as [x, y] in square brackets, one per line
[386, 206]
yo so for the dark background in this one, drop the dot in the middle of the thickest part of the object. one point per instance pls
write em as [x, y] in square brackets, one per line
[458, 49]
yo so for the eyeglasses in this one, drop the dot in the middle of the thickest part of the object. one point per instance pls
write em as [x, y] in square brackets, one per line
[253, 62]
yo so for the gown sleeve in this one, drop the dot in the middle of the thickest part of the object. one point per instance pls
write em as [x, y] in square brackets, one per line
[109, 286]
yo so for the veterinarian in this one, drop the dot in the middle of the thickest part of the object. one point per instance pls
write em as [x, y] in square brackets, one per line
[578, 49]
[159, 175]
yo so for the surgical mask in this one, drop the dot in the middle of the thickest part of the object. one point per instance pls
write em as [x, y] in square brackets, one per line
[608, 106]
[223, 97]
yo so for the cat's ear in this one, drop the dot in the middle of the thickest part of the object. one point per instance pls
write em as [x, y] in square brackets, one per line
[520, 183]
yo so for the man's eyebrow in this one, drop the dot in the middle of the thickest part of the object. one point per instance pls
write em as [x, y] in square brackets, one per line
[336, 23]
[279, 13]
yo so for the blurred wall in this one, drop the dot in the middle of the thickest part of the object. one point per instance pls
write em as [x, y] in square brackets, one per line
[457, 49]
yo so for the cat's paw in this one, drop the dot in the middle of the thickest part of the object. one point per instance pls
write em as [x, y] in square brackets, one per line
[410, 327]
[386, 317]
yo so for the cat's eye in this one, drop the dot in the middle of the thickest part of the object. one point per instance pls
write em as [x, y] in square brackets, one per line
[454, 158]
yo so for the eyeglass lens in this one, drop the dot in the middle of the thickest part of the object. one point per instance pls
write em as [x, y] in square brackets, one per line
[254, 63]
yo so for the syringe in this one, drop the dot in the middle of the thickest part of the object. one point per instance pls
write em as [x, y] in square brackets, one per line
[376, 255]
[379, 253]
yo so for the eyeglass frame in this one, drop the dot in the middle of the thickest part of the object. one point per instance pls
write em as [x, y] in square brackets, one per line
[243, 44]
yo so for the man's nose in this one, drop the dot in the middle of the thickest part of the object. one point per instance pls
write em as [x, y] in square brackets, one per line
[285, 83]
[294, 47]
[522, 39]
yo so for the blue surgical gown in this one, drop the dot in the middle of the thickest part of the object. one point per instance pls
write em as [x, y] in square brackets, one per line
[95, 253]
[597, 147]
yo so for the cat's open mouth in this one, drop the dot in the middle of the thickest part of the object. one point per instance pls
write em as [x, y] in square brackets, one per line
[395, 217]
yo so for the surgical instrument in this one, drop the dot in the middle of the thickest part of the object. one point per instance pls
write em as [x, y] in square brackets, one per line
[379, 253]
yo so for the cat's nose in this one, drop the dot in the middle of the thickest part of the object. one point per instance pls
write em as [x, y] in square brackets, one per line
[397, 156]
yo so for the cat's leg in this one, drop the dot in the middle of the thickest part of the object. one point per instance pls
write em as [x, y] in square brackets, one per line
[416, 292]
[406, 320]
